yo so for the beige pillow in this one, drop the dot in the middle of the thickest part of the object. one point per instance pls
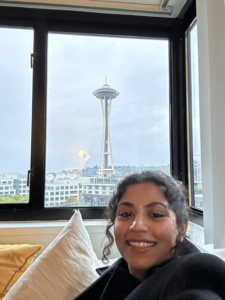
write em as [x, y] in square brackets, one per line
[14, 261]
[63, 270]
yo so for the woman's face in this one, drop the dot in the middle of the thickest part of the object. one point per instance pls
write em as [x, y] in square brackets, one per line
[145, 228]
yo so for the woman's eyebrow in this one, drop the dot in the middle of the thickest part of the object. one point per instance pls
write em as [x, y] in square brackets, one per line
[148, 205]
[126, 204]
[155, 203]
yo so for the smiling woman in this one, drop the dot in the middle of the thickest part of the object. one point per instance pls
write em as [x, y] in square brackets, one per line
[145, 228]
[150, 217]
[158, 197]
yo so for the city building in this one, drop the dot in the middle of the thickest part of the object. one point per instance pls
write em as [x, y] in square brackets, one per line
[12, 184]
[72, 188]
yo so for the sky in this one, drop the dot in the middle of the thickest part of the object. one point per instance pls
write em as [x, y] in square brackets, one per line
[77, 66]
[195, 94]
[16, 46]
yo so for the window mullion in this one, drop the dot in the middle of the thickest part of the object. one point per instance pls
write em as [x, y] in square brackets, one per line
[37, 177]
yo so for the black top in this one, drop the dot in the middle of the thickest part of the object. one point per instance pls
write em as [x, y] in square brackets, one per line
[191, 275]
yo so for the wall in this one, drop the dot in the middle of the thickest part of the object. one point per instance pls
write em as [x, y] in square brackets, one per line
[211, 40]
[44, 232]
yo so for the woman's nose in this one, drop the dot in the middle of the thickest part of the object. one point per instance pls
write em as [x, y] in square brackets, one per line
[139, 224]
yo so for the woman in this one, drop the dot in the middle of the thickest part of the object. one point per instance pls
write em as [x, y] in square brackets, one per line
[150, 219]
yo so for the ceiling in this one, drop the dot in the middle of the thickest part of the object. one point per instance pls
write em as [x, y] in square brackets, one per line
[159, 8]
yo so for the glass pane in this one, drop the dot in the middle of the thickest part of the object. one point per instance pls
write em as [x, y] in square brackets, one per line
[107, 114]
[16, 46]
[197, 199]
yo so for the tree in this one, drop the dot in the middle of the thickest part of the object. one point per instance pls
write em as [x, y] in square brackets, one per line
[72, 199]
[14, 199]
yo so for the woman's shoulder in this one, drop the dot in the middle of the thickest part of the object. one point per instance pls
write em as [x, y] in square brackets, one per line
[191, 257]
[197, 271]
[197, 265]
[203, 260]
[191, 276]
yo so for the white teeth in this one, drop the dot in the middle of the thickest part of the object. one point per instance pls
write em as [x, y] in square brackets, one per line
[141, 244]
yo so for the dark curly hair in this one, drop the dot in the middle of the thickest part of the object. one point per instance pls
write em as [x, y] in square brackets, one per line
[174, 191]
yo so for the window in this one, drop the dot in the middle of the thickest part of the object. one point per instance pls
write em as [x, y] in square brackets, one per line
[143, 63]
[195, 170]
[142, 137]
[16, 98]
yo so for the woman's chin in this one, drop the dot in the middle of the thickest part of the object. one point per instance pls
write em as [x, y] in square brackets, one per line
[141, 264]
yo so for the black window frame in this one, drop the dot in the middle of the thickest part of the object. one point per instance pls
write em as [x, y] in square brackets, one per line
[51, 20]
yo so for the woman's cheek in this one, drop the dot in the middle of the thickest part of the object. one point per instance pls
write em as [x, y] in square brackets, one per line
[117, 226]
[118, 230]
[171, 231]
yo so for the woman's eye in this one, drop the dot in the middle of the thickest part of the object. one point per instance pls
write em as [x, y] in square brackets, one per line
[156, 215]
[125, 214]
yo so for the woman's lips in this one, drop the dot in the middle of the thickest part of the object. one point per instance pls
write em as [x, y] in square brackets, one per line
[140, 245]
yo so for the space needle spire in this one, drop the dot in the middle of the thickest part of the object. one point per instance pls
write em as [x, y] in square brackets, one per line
[106, 94]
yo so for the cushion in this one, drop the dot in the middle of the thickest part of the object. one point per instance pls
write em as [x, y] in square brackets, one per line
[63, 270]
[14, 261]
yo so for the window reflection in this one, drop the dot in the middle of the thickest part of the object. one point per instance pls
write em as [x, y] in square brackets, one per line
[194, 119]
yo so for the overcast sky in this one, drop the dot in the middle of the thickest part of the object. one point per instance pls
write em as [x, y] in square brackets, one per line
[195, 94]
[77, 66]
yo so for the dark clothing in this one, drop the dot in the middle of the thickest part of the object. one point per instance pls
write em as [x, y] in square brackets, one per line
[191, 276]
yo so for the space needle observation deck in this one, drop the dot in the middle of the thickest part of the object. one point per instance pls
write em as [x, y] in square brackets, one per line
[106, 94]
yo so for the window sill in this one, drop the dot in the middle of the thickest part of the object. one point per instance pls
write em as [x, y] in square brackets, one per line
[37, 227]
[44, 232]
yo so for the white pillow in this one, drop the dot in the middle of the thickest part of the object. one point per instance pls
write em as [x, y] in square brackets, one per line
[63, 270]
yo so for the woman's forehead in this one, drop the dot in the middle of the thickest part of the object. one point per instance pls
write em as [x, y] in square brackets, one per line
[144, 192]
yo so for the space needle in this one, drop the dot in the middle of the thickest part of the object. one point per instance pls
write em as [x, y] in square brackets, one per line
[106, 94]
